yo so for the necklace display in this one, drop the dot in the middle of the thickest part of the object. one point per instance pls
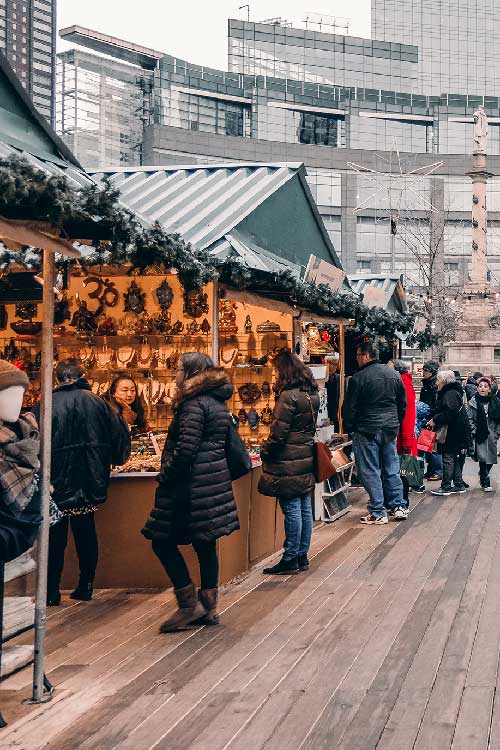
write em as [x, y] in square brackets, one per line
[152, 392]
[125, 356]
[145, 356]
[87, 357]
[104, 358]
[232, 355]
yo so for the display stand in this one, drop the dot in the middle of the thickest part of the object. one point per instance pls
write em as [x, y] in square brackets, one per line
[335, 490]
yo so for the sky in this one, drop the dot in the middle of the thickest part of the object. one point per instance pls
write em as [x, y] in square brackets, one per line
[196, 30]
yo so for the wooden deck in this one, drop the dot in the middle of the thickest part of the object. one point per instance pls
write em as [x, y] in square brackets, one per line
[390, 642]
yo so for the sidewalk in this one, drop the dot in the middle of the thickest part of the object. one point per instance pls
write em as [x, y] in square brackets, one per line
[391, 641]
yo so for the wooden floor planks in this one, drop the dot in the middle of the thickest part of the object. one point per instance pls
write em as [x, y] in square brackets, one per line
[390, 642]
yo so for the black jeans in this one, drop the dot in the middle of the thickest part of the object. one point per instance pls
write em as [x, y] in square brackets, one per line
[484, 473]
[87, 549]
[452, 470]
[170, 557]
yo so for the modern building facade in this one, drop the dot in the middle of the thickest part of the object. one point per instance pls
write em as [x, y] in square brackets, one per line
[343, 105]
[28, 39]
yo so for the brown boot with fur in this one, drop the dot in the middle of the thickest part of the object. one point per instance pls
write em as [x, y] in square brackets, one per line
[208, 598]
[190, 610]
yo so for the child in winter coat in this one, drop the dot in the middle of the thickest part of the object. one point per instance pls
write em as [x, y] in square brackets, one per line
[484, 416]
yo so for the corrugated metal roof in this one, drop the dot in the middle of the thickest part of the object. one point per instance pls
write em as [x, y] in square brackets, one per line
[203, 203]
[390, 285]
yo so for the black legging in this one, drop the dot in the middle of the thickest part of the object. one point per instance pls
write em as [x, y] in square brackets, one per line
[87, 549]
[170, 557]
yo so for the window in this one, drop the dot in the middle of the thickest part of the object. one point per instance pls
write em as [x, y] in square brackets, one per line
[364, 265]
[321, 130]
[496, 354]
[234, 122]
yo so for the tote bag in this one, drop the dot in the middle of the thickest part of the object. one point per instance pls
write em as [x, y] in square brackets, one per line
[412, 469]
[426, 441]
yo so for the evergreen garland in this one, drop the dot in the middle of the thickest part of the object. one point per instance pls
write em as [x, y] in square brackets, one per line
[119, 238]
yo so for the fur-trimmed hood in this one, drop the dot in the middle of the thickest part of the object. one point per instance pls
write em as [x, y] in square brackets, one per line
[214, 381]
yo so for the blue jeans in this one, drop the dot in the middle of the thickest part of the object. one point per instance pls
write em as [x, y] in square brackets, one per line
[434, 464]
[377, 465]
[298, 525]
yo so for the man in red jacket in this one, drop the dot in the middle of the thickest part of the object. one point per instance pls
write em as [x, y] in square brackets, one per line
[406, 441]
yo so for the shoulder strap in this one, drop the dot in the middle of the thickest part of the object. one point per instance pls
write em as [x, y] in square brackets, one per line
[312, 414]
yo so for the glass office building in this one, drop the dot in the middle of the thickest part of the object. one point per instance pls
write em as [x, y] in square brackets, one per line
[332, 101]
[28, 39]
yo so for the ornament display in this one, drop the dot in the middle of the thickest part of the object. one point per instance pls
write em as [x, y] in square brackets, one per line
[266, 415]
[195, 303]
[249, 393]
[266, 389]
[242, 416]
[317, 345]
[135, 299]
[106, 326]
[227, 316]
[248, 324]
[205, 327]
[253, 419]
[83, 319]
[164, 295]
[105, 292]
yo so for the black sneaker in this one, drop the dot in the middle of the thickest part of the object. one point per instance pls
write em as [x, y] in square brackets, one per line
[441, 492]
[419, 490]
[283, 568]
[303, 562]
[460, 489]
[53, 598]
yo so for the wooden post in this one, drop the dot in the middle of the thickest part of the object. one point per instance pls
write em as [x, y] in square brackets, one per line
[45, 454]
[342, 374]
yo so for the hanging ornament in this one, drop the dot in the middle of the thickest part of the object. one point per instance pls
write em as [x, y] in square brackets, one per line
[195, 303]
[135, 299]
[253, 419]
[164, 295]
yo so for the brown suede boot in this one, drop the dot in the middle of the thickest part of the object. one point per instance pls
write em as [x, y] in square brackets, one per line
[190, 610]
[208, 598]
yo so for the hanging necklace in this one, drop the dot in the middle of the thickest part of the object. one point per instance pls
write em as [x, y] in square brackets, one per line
[127, 355]
[228, 360]
[104, 358]
[87, 357]
[145, 361]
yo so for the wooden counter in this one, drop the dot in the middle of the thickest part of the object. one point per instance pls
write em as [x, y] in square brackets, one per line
[126, 559]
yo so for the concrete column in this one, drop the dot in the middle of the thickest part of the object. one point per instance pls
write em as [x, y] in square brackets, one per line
[479, 265]
[348, 221]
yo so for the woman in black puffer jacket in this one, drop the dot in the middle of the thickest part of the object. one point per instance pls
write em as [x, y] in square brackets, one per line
[194, 501]
[288, 458]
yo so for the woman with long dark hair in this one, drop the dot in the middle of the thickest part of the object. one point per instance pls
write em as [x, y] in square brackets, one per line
[123, 397]
[484, 416]
[288, 458]
[194, 502]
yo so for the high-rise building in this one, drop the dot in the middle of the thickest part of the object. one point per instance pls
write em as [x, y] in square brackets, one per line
[399, 101]
[28, 39]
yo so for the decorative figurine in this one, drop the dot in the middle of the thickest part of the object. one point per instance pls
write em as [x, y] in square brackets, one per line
[145, 324]
[249, 393]
[162, 322]
[253, 419]
[61, 310]
[83, 320]
[26, 310]
[266, 415]
[106, 326]
[193, 328]
[242, 416]
[195, 303]
[135, 299]
[248, 324]
[177, 328]
[165, 295]
[267, 327]
[266, 389]
[227, 316]
[205, 327]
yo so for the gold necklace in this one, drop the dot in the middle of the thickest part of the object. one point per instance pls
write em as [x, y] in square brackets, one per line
[87, 359]
[128, 359]
[231, 358]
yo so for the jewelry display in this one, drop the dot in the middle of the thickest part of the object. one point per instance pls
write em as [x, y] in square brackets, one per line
[195, 303]
[253, 419]
[227, 316]
[267, 327]
[248, 324]
[135, 299]
[249, 393]
[145, 356]
[125, 357]
[165, 296]
[87, 357]
[104, 357]
[152, 392]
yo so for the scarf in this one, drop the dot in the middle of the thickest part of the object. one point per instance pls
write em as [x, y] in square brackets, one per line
[19, 463]
[482, 430]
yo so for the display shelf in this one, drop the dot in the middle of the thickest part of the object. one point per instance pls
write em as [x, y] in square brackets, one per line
[335, 490]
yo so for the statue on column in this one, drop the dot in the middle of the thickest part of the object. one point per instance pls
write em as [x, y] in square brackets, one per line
[480, 130]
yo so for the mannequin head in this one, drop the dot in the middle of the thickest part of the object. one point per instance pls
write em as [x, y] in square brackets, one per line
[11, 400]
[13, 383]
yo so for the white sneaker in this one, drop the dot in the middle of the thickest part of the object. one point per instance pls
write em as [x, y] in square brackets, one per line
[401, 514]
[373, 520]
[489, 488]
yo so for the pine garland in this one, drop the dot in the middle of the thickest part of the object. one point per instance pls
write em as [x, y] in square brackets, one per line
[120, 238]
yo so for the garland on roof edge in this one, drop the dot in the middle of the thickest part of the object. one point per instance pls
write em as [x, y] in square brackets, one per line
[32, 194]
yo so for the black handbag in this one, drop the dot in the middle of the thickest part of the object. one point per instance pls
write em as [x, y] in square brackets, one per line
[237, 457]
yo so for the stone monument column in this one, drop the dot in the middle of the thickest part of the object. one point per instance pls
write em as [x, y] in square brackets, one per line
[478, 276]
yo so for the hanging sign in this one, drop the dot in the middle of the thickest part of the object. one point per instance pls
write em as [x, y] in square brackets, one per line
[322, 272]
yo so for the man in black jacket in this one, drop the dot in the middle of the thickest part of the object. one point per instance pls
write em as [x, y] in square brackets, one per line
[372, 412]
[88, 437]
[428, 394]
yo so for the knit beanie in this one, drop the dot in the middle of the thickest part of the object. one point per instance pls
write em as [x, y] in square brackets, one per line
[11, 375]
[431, 366]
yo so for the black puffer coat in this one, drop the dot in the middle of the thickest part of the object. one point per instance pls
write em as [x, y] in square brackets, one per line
[429, 391]
[288, 453]
[194, 499]
[87, 438]
[451, 411]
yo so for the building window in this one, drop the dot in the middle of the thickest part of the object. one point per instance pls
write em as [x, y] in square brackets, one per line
[364, 265]
[320, 130]
[496, 354]
[234, 122]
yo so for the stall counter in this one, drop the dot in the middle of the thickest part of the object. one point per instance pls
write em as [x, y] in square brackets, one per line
[126, 559]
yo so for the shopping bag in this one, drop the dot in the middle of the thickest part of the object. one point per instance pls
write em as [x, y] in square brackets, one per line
[238, 460]
[426, 441]
[412, 468]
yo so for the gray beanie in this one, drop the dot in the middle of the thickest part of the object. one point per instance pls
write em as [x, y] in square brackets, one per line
[11, 375]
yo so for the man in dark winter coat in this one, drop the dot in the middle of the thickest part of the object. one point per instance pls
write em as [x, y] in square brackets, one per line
[373, 410]
[471, 385]
[88, 437]
[428, 395]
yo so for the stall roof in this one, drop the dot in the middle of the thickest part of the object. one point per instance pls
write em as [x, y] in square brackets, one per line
[389, 291]
[266, 209]
[24, 131]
